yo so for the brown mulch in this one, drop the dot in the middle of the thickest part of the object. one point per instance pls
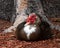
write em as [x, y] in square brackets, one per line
[8, 40]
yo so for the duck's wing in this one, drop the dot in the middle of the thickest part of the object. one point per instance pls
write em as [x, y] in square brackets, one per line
[21, 25]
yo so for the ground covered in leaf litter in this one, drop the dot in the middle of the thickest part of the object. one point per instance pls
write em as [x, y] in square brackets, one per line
[7, 40]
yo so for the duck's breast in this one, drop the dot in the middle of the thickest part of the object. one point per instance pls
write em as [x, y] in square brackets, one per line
[29, 29]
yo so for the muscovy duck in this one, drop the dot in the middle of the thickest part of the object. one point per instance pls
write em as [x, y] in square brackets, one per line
[33, 29]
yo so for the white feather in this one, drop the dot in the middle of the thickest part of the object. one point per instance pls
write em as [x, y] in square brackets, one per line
[29, 29]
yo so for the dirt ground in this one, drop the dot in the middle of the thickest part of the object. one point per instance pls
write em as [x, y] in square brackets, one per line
[8, 40]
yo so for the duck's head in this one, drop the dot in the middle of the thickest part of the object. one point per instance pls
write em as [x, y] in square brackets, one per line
[32, 19]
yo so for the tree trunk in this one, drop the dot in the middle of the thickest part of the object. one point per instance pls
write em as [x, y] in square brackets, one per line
[25, 7]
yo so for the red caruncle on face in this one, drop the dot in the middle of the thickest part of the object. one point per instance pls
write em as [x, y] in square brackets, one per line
[31, 19]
